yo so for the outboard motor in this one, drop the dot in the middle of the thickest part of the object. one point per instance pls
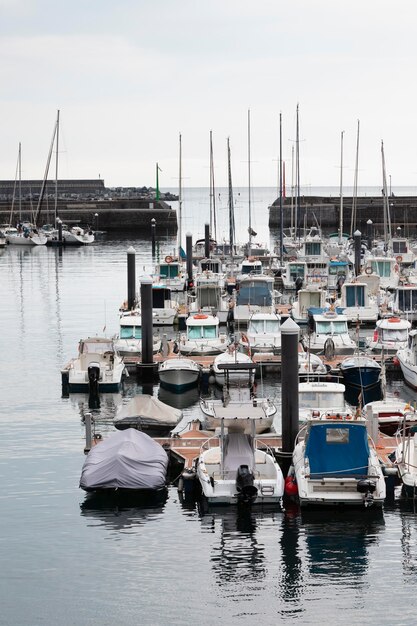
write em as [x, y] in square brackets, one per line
[93, 377]
[246, 490]
[367, 487]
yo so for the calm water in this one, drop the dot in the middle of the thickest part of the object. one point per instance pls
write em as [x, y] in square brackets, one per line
[66, 560]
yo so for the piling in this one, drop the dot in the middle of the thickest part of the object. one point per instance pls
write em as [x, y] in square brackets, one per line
[88, 432]
[357, 244]
[290, 333]
[369, 225]
[59, 222]
[153, 236]
[131, 278]
[189, 253]
[207, 241]
[146, 368]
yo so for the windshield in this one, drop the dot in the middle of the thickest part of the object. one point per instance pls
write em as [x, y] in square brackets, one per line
[251, 269]
[322, 400]
[382, 268]
[407, 300]
[97, 348]
[168, 270]
[200, 332]
[331, 328]
[394, 334]
[251, 292]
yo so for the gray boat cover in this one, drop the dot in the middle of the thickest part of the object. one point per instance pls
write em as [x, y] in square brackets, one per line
[238, 451]
[152, 411]
[127, 459]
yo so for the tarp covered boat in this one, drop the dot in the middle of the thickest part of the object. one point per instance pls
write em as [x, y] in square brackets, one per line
[145, 412]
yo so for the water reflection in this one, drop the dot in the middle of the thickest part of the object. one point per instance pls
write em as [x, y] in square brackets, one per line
[238, 555]
[337, 542]
[181, 400]
[119, 511]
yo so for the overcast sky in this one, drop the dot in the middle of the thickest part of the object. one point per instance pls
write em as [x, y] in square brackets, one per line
[129, 75]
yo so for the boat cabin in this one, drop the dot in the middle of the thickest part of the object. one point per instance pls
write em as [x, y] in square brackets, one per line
[319, 397]
[405, 301]
[390, 334]
[386, 268]
[255, 291]
[202, 326]
[337, 273]
[295, 269]
[250, 266]
[169, 269]
[130, 327]
[160, 295]
[329, 333]
[310, 297]
[210, 265]
[264, 324]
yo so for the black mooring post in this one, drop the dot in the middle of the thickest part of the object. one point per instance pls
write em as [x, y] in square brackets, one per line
[357, 243]
[290, 333]
[146, 368]
[153, 235]
[207, 241]
[189, 253]
[131, 278]
[59, 231]
[369, 234]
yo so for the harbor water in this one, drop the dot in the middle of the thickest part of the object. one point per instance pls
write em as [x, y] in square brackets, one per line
[68, 560]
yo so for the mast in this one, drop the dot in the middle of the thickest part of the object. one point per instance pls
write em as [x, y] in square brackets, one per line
[180, 198]
[387, 216]
[56, 166]
[250, 231]
[45, 176]
[297, 174]
[213, 218]
[341, 189]
[231, 207]
[281, 208]
[292, 192]
[19, 160]
[355, 187]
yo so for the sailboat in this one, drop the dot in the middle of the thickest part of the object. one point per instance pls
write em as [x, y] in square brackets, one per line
[26, 233]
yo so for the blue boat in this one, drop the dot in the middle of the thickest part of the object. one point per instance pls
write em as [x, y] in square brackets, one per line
[362, 379]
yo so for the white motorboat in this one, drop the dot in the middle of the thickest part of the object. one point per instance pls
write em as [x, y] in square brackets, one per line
[329, 333]
[97, 368]
[238, 409]
[407, 358]
[390, 335]
[310, 366]
[263, 334]
[73, 236]
[357, 303]
[392, 414]
[406, 461]
[255, 294]
[232, 469]
[171, 273]
[386, 268]
[164, 308]
[179, 374]
[335, 463]
[321, 398]
[129, 341]
[202, 336]
[404, 302]
[125, 462]
[145, 412]
[232, 356]
[210, 297]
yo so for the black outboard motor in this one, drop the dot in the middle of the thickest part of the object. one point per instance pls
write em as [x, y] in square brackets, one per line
[246, 490]
[93, 378]
[367, 487]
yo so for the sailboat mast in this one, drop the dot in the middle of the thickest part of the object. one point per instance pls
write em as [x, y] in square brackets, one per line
[56, 166]
[292, 192]
[281, 208]
[180, 198]
[387, 217]
[45, 177]
[297, 169]
[213, 217]
[20, 181]
[249, 190]
[231, 208]
[341, 189]
[355, 187]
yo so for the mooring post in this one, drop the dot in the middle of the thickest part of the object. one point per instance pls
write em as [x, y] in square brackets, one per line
[369, 225]
[131, 278]
[290, 333]
[88, 432]
[207, 241]
[147, 366]
[189, 253]
[357, 239]
[59, 222]
[153, 229]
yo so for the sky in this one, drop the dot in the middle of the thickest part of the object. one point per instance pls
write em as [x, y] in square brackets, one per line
[129, 76]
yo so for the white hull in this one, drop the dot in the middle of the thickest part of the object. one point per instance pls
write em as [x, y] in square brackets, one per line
[21, 240]
[202, 347]
[72, 239]
[178, 373]
[408, 369]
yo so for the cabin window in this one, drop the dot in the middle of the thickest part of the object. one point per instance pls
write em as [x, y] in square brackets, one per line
[272, 326]
[251, 269]
[199, 332]
[169, 270]
[194, 332]
[97, 348]
[399, 247]
[254, 293]
[130, 332]
[313, 248]
[355, 295]
[207, 297]
[407, 300]
[323, 328]
[337, 435]
[210, 266]
[331, 328]
[382, 268]
[209, 332]
[297, 270]
[322, 400]
[256, 326]
[394, 334]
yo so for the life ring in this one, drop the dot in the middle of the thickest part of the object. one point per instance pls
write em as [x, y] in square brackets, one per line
[200, 316]
[251, 259]
[394, 319]
[168, 259]
[399, 258]
[368, 270]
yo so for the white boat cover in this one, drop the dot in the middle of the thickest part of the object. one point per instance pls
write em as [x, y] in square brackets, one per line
[238, 452]
[128, 459]
[151, 411]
